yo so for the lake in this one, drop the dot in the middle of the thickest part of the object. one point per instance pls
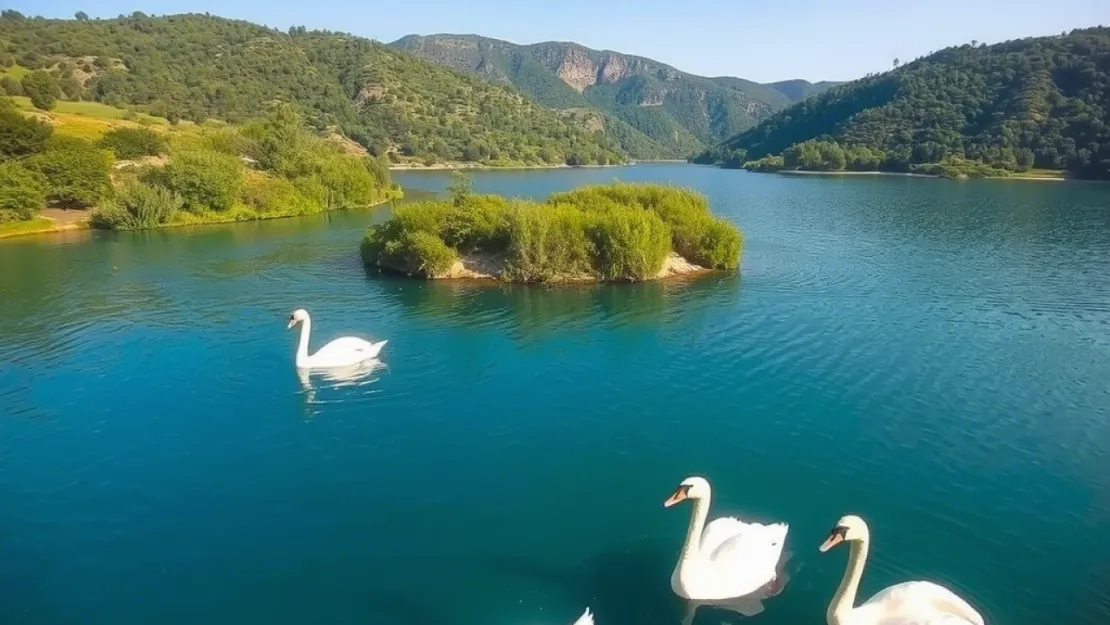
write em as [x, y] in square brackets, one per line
[932, 355]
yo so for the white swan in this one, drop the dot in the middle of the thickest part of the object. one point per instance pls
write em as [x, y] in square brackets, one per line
[919, 603]
[729, 558]
[342, 352]
[587, 618]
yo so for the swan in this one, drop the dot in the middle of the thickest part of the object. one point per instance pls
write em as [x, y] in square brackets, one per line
[729, 558]
[587, 618]
[919, 603]
[342, 352]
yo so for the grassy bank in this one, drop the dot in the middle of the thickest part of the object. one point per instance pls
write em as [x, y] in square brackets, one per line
[617, 232]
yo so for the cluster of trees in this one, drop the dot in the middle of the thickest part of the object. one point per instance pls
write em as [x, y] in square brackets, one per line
[38, 168]
[1031, 103]
[198, 67]
[269, 167]
[611, 232]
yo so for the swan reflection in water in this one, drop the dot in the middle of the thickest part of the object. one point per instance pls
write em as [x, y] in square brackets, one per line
[748, 605]
[360, 374]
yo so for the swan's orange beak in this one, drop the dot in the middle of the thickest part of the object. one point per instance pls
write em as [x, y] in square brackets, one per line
[682, 493]
[836, 536]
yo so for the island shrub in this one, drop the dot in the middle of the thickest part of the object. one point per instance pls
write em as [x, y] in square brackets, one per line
[956, 167]
[613, 232]
[132, 143]
[767, 163]
[205, 180]
[137, 206]
[629, 243]
[548, 242]
[77, 172]
[22, 192]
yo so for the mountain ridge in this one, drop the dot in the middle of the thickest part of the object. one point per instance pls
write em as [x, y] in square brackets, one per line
[679, 111]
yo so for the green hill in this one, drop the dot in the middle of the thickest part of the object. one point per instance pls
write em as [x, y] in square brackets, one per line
[196, 67]
[1030, 103]
[678, 112]
[798, 90]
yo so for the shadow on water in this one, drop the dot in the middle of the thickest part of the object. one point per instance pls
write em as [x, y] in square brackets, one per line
[632, 587]
[537, 309]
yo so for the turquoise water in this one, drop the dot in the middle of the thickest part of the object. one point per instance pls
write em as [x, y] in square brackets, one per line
[932, 355]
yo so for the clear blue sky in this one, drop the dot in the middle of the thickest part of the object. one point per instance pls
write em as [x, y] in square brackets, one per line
[764, 40]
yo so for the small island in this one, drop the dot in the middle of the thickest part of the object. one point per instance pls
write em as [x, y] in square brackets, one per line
[618, 232]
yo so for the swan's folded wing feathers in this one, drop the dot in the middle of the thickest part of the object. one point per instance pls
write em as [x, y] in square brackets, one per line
[720, 530]
[587, 618]
[924, 602]
[757, 548]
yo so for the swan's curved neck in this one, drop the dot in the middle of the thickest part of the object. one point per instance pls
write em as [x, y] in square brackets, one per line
[692, 546]
[845, 597]
[302, 347]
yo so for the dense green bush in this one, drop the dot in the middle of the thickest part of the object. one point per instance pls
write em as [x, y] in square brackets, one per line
[42, 88]
[77, 173]
[613, 232]
[548, 242]
[270, 194]
[955, 167]
[11, 86]
[19, 135]
[22, 191]
[131, 143]
[767, 163]
[137, 206]
[205, 179]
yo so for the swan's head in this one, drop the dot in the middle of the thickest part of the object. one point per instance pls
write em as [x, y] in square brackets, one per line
[297, 315]
[849, 527]
[690, 488]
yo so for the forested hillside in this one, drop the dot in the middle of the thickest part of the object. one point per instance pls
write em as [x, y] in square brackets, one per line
[678, 113]
[197, 67]
[1030, 103]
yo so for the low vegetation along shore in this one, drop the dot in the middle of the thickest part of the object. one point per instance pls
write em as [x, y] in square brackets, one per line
[617, 232]
[131, 176]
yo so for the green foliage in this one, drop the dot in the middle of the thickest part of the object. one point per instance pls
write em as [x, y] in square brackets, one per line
[271, 195]
[77, 173]
[131, 143]
[686, 212]
[815, 156]
[548, 243]
[137, 206]
[20, 136]
[387, 100]
[767, 163]
[22, 191]
[11, 86]
[205, 180]
[956, 167]
[42, 88]
[1037, 102]
[612, 232]
[459, 188]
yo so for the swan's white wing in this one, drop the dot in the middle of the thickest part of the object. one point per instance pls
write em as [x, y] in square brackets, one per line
[347, 349]
[921, 603]
[587, 618]
[720, 530]
[751, 556]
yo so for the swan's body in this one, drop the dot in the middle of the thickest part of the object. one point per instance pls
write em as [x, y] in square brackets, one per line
[908, 603]
[587, 618]
[342, 352]
[726, 559]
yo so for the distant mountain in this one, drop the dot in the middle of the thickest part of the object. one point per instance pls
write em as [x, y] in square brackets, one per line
[669, 113]
[393, 103]
[798, 90]
[1039, 102]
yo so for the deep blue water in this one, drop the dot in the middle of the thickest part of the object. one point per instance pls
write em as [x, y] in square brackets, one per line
[932, 355]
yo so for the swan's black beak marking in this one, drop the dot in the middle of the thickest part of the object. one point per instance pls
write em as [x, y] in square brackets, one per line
[837, 535]
[680, 494]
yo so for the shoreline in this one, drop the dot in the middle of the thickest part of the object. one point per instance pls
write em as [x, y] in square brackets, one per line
[486, 268]
[910, 174]
[482, 167]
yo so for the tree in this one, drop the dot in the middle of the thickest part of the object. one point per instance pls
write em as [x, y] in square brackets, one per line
[131, 143]
[459, 188]
[81, 16]
[22, 191]
[77, 174]
[42, 88]
[204, 179]
[20, 136]
[11, 86]
[895, 62]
